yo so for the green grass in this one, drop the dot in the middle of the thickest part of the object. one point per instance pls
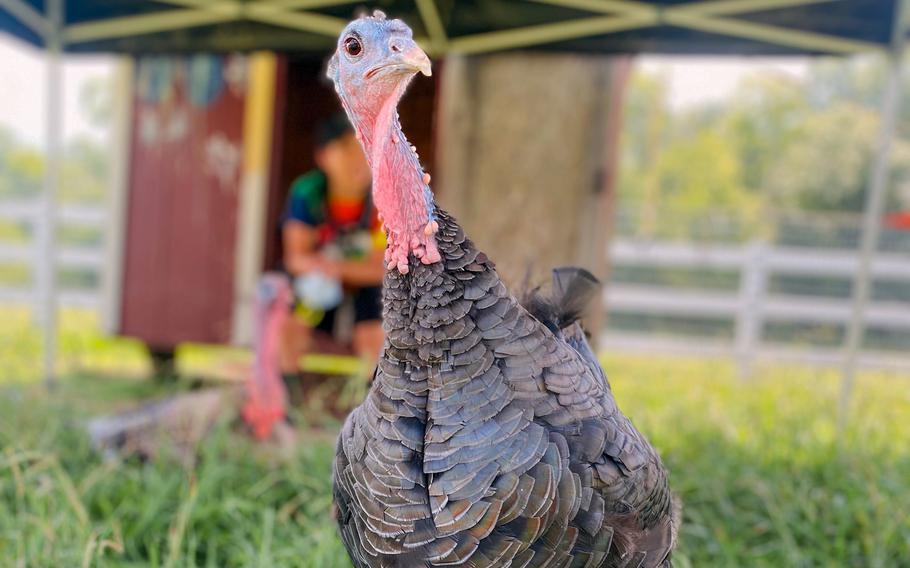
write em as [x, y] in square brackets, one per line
[62, 505]
[764, 478]
[79, 344]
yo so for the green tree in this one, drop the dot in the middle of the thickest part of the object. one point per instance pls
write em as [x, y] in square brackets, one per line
[644, 124]
[765, 114]
[84, 171]
[826, 167]
[779, 143]
[678, 168]
[96, 100]
[701, 189]
[21, 167]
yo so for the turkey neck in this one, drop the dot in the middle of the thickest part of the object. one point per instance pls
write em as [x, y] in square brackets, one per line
[400, 194]
[429, 321]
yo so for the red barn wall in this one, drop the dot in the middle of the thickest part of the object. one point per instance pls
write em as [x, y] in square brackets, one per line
[186, 149]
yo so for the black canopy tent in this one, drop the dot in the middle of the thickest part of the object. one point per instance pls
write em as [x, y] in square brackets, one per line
[475, 26]
[715, 27]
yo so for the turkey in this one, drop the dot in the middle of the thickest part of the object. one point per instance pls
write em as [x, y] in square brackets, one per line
[489, 437]
[181, 422]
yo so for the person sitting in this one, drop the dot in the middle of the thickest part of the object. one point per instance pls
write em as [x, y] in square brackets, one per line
[333, 247]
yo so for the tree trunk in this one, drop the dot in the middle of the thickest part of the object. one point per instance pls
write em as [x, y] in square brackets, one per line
[527, 153]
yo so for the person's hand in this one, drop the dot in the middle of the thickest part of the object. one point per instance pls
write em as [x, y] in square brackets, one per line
[329, 267]
[304, 264]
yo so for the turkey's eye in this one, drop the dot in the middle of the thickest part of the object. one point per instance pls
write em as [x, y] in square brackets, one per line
[353, 46]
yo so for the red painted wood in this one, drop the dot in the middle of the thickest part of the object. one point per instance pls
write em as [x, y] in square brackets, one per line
[182, 210]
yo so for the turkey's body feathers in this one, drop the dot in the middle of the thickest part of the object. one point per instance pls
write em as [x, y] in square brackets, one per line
[488, 440]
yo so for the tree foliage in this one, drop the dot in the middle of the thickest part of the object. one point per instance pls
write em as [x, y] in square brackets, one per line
[827, 167]
[21, 167]
[679, 175]
[780, 142]
[85, 166]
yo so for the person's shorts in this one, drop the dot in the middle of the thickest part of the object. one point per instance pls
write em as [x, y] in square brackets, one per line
[367, 307]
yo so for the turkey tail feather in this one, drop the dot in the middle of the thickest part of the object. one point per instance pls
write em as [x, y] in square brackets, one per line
[573, 290]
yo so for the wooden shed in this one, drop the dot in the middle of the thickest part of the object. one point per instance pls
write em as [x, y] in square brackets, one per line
[214, 142]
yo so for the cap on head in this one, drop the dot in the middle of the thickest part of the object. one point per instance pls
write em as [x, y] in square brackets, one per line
[373, 55]
[331, 128]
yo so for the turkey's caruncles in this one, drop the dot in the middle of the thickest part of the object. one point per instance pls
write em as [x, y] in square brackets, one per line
[490, 436]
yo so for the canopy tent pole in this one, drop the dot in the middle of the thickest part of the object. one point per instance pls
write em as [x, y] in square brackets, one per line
[46, 273]
[874, 206]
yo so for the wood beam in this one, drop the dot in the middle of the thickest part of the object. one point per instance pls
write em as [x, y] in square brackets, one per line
[737, 7]
[301, 21]
[305, 4]
[429, 13]
[617, 7]
[116, 204]
[547, 33]
[151, 23]
[187, 3]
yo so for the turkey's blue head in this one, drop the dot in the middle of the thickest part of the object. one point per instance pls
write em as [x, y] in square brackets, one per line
[373, 62]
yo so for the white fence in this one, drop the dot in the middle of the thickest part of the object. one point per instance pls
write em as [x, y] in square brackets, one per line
[68, 257]
[750, 307]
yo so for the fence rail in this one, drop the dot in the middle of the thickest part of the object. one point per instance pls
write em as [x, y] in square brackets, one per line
[752, 306]
[91, 258]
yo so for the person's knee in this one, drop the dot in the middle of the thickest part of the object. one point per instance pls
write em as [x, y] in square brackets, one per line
[296, 335]
[369, 328]
[368, 335]
[288, 327]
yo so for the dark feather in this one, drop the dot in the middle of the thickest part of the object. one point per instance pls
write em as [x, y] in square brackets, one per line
[573, 290]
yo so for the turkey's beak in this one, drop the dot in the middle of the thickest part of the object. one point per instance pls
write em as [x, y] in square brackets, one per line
[414, 57]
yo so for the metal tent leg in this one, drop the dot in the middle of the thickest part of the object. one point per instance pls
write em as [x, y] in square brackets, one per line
[46, 264]
[874, 206]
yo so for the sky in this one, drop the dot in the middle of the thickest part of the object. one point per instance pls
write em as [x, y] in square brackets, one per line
[698, 80]
[692, 80]
[22, 89]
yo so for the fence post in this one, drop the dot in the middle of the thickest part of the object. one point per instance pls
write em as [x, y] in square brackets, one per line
[749, 319]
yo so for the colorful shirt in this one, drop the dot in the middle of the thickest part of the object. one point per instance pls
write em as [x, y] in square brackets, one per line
[351, 227]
